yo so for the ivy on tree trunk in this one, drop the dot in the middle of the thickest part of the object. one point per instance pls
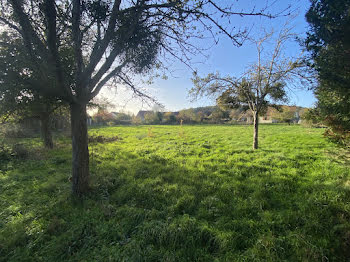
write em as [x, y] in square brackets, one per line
[46, 133]
[80, 150]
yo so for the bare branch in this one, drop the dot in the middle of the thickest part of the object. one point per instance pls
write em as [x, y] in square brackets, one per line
[113, 73]
[11, 25]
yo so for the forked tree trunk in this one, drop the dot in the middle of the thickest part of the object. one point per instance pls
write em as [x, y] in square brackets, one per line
[46, 133]
[80, 159]
[256, 130]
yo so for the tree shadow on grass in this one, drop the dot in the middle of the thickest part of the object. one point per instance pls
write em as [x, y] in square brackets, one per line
[149, 208]
[340, 155]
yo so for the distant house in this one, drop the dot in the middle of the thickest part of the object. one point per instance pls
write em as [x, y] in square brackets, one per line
[89, 120]
[245, 116]
[273, 116]
[268, 117]
[141, 114]
[115, 114]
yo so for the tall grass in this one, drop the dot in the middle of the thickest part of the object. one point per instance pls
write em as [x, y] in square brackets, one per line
[204, 196]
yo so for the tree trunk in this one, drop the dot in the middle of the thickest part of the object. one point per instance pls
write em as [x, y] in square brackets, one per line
[256, 130]
[80, 157]
[46, 130]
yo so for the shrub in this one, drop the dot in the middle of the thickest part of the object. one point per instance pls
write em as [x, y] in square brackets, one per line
[14, 130]
[5, 154]
[20, 151]
[103, 139]
[341, 138]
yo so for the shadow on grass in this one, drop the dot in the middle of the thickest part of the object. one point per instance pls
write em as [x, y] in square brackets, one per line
[149, 208]
[341, 155]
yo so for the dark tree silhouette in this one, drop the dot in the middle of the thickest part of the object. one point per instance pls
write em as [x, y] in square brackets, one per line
[329, 44]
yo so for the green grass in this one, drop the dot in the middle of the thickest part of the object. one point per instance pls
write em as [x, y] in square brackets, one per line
[166, 194]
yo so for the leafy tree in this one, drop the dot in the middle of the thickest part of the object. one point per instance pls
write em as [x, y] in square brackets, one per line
[136, 120]
[111, 40]
[264, 84]
[218, 114]
[200, 115]
[328, 41]
[285, 114]
[102, 117]
[18, 98]
[311, 117]
[123, 117]
[236, 113]
[169, 118]
[187, 116]
[153, 118]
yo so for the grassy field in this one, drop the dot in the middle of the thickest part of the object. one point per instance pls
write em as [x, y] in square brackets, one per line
[165, 193]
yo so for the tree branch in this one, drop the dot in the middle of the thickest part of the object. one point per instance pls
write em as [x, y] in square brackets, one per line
[114, 72]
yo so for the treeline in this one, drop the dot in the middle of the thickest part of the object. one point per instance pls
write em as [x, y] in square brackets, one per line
[200, 115]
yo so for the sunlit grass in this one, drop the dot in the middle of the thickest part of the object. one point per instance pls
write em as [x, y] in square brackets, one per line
[199, 193]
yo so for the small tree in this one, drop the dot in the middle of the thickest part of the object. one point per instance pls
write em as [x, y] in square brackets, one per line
[264, 84]
[18, 95]
[153, 118]
[102, 117]
[136, 120]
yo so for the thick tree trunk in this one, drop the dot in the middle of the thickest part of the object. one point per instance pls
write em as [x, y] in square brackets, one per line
[256, 130]
[46, 130]
[80, 160]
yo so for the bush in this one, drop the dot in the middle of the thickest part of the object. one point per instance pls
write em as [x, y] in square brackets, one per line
[13, 130]
[136, 120]
[5, 153]
[9, 153]
[103, 139]
[341, 138]
[20, 151]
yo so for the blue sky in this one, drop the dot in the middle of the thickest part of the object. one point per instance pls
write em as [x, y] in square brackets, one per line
[224, 58]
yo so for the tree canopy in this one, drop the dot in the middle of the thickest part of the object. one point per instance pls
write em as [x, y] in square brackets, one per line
[19, 97]
[110, 42]
[329, 44]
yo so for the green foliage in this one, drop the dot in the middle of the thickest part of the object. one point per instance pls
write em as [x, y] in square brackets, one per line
[218, 115]
[329, 44]
[102, 117]
[20, 82]
[122, 117]
[13, 130]
[169, 118]
[136, 120]
[139, 40]
[187, 116]
[285, 114]
[153, 118]
[206, 196]
[262, 85]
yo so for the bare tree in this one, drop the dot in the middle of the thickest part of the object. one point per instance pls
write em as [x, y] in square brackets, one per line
[264, 83]
[109, 40]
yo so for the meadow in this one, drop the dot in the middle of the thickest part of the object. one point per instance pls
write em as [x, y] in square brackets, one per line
[171, 193]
